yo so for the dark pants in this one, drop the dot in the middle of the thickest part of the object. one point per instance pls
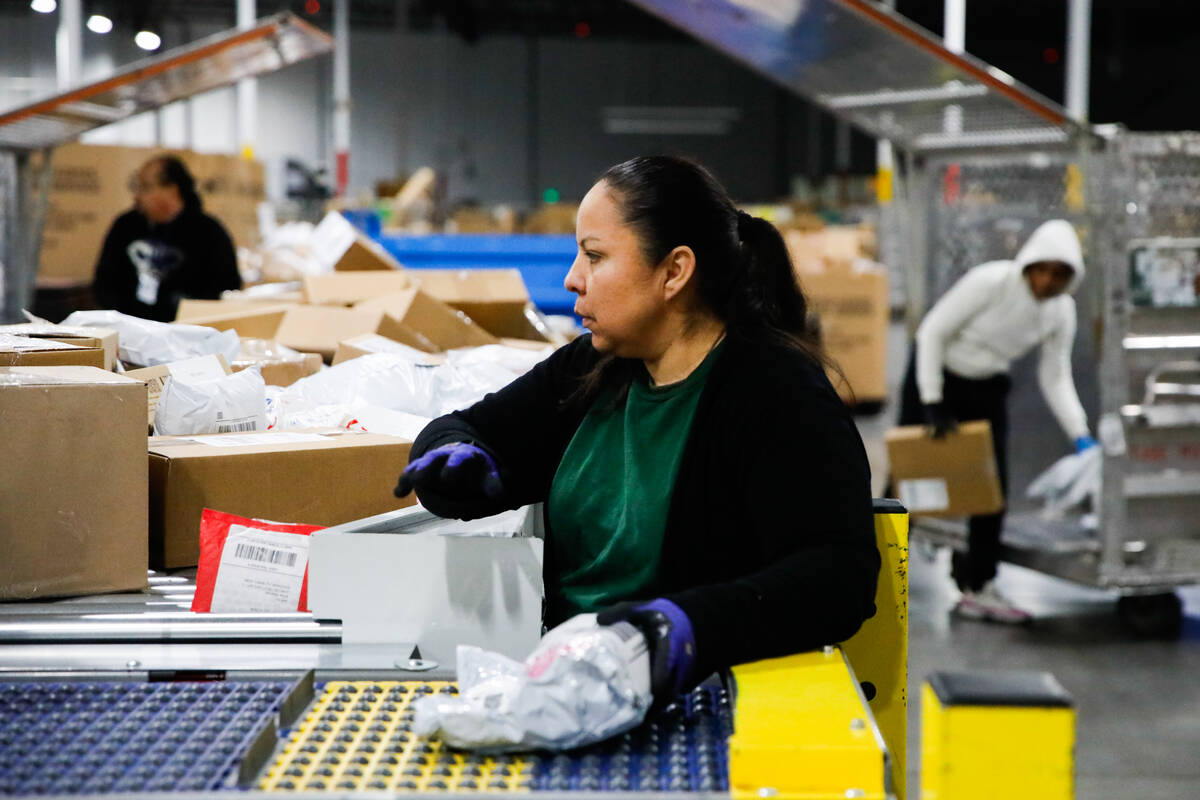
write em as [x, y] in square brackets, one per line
[970, 399]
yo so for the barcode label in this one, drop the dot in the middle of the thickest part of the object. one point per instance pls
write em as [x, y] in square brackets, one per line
[237, 426]
[260, 571]
[265, 554]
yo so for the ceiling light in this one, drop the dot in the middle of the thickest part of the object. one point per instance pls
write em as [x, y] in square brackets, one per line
[43, 6]
[147, 40]
[98, 23]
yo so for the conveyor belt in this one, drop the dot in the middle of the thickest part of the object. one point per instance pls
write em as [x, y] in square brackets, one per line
[124, 738]
[357, 736]
[99, 738]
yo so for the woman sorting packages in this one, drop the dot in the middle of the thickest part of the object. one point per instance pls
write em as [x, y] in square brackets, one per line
[701, 478]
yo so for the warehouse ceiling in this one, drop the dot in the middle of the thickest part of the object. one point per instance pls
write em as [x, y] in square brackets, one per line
[1142, 50]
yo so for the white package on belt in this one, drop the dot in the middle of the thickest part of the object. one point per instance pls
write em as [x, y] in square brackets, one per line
[584, 683]
[233, 403]
[147, 343]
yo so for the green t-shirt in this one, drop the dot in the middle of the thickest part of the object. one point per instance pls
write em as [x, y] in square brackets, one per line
[611, 493]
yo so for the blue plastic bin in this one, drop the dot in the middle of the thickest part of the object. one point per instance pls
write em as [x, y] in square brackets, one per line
[543, 259]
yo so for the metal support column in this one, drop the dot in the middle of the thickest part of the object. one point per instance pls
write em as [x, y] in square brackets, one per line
[24, 190]
[247, 91]
[341, 93]
[954, 35]
[1079, 51]
[68, 43]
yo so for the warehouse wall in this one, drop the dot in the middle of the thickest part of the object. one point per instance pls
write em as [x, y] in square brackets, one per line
[502, 119]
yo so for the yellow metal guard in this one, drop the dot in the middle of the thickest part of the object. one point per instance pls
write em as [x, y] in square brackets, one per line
[802, 732]
[972, 751]
[879, 651]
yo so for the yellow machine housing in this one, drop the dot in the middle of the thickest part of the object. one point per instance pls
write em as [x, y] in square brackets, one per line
[996, 735]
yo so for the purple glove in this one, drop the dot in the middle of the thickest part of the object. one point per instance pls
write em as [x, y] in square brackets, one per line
[669, 636]
[459, 470]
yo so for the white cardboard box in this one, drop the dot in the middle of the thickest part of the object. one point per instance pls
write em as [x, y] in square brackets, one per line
[409, 577]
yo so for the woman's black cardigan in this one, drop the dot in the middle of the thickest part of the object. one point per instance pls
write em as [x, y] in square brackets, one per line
[769, 545]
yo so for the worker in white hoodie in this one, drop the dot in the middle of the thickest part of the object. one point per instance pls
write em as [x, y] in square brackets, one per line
[993, 315]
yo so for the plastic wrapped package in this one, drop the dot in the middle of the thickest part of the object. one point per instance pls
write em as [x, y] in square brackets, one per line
[1068, 482]
[582, 684]
[146, 343]
[234, 403]
[492, 366]
[279, 364]
[399, 381]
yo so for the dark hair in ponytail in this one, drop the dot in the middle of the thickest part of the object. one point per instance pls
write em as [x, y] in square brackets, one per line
[743, 270]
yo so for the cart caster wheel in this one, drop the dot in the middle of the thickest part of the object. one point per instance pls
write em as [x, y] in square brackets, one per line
[1152, 616]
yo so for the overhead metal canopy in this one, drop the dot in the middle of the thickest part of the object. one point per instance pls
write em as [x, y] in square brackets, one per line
[866, 64]
[209, 63]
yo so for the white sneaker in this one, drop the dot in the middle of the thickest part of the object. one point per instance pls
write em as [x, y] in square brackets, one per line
[989, 605]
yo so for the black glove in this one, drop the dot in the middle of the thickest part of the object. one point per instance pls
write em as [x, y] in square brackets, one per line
[939, 420]
[669, 637]
[458, 470]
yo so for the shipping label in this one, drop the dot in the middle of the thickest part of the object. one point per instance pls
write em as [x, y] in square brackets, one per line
[260, 571]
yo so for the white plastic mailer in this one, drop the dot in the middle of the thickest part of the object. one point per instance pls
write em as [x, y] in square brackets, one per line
[146, 343]
[232, 404]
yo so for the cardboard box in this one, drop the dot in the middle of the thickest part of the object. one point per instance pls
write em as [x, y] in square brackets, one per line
[104, 338]
[348, 288]
[285, 476]
[72, 482]
[480, 582]
[851, 301]
[255, 321]
[338, 244]
[370, 343]
[552, 218]
[190, 309]
[318, 329]
[201, 368]
[495, 298]
[431, 325]
[89, 190]
[23, 351]
[835, 243]
[949, 477]
[278, 367]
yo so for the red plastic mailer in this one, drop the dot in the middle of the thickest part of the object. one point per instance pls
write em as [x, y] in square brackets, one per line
[262, 569]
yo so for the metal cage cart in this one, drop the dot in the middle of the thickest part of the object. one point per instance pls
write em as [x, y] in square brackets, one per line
[983, 160]
[1133, 199]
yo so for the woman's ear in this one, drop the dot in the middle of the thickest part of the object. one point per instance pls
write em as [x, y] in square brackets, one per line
[679, 267]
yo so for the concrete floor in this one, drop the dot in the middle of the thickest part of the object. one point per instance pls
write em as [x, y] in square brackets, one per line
[1138, 702]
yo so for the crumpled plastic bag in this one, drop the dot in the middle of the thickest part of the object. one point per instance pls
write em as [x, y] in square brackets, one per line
[403, 382]
[1067, 483]
[583, 683]
[147, 343]
[234, 403]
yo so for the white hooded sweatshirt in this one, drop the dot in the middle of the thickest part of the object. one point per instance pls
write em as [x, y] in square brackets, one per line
[990, 318]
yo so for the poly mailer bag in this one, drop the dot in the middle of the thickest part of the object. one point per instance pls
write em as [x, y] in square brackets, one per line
[232, 404]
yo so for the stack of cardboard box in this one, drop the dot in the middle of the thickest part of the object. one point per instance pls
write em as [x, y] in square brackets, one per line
[89, 188]
[849, 293]
[88, 503]
[367, 292]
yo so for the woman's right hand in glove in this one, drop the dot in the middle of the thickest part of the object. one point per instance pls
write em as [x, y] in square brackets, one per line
[459, 471]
